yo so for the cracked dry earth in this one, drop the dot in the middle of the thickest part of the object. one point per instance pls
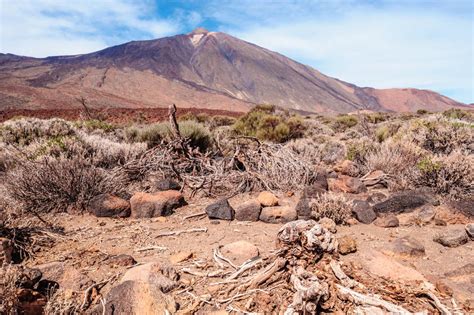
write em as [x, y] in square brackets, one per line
[83, 255]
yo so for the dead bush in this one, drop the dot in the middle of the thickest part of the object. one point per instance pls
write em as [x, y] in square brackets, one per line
[332, 151]
[399, 160]
[58, 185]
[332, 206]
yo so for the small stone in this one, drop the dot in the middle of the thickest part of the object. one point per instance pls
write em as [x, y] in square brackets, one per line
[346, 245]
[452, 238]
[347, 167]
[400, 202]
[328, 224]
[363, 211]
[389, 221]
[280, 214]
[122, 260]
[443, 288]
[180, 257]
[470, 230]
[167, 184]
[145, 205]
[406, 247]
[108, 205]
[220, 210]
[267, 199]
[346, 184]
[248, 211]
[426, 214]
[439, 222]
[239, 252]
[303, 209]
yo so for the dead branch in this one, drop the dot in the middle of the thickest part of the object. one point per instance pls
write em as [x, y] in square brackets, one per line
[176, 233]
[143, 249]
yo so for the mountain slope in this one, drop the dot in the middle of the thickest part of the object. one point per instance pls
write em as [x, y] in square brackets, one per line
[201, 69]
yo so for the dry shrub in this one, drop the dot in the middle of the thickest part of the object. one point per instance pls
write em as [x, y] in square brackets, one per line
[439, 134]
[24, 131]
[58, 184]
[451, 175]
[9, 303]
[63, 302]
[332, 206]
[332, 152]
[399, 160]
[305, 149]
[358, 149]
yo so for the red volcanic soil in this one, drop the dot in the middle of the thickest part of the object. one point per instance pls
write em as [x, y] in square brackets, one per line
[113, 115]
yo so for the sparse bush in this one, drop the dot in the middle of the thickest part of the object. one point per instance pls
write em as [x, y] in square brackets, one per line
[439, 135]
[422, 112]
[333, 206]
[24, 131]
[451, 175]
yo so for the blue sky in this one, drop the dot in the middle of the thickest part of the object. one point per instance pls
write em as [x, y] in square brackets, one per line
[382, 44]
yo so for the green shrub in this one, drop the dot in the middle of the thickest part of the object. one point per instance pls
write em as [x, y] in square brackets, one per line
[456, 113]
[422, 112]
[220, 120]
[376, 118]
[344, 122]
[386, 131]
[262, 123]
[94, 124]
[198, 135]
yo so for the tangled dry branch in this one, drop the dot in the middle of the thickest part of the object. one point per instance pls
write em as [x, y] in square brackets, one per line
[303, 276]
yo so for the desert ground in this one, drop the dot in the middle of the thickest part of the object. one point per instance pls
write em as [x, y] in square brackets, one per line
[269, 212]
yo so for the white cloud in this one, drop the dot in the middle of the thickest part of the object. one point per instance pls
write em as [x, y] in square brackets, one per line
[41, 28]
[367, 46]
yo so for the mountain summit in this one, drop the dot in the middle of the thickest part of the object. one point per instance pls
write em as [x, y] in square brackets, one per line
[200, 69]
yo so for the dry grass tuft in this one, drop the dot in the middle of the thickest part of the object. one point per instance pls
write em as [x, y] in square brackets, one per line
[333, 206]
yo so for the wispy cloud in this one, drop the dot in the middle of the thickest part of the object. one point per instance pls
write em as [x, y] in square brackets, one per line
[423, 44]
[50, 27]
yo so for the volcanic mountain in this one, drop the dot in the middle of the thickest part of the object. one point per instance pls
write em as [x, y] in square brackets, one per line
[201, 69]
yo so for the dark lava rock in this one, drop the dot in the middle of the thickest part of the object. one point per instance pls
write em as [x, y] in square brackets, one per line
[401, 202]
[452, 238]
[167, 184]
[248, 210]
[220, 210]
[363, 211]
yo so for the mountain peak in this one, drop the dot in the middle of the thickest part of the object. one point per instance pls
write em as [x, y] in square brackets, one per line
[198, 31]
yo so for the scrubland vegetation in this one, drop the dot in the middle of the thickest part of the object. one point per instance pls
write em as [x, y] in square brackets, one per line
[51, 166]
